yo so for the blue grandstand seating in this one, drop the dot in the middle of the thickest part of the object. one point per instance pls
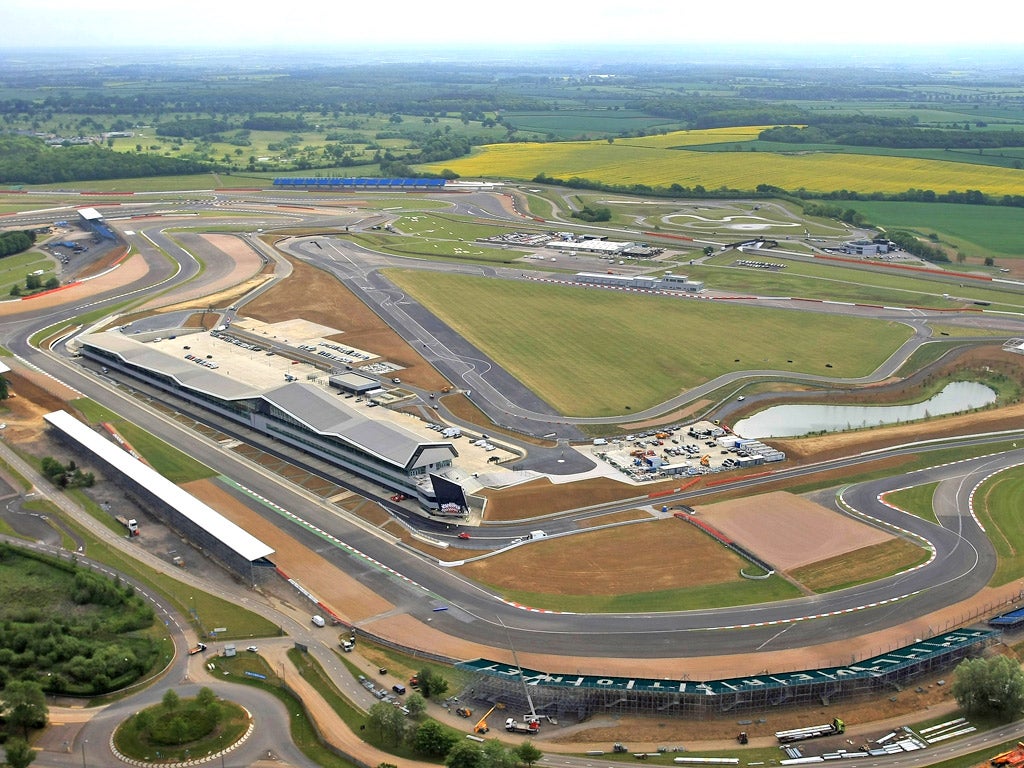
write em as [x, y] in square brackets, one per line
[359, 183]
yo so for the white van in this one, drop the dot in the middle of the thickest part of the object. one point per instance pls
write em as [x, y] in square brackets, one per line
[318, 621]
[537, 535]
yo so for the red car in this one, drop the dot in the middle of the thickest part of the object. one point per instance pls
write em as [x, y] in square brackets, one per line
[463, 535]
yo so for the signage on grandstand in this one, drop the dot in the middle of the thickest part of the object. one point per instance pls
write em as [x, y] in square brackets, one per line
[451, 498]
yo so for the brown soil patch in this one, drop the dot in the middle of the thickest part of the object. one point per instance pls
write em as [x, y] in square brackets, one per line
[667, 419]
[788, 531]
[612, 561]
[33, 396]
[320, 298]
[349, 599]
[542, 497]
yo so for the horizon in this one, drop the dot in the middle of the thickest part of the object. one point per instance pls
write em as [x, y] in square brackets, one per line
[117, 25]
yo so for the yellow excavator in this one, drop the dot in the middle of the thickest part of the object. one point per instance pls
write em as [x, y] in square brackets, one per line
[481, 725]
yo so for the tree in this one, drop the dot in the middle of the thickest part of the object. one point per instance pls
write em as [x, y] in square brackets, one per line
[19, 753]
[171, 700]
[497, 755]
[433, 740]
[33, 282]
[465, 754]
[25, 705]
[527, 753]
[389, 722]
[416, 705]
[432, 685]
[990, 687]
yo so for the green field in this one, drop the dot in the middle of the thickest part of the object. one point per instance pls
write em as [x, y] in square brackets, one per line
[832, 281]
[592, 352]
[14, 268]
[978, 230]
[997, 504]
[176, 466]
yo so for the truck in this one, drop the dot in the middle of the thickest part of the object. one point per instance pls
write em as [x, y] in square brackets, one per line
[514, 726]
[130, 523]
[618, 748]
[811, 732]
[197, 648]
[1011, 759]
[536, 535]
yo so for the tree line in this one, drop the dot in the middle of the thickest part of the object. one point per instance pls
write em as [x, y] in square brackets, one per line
[16, 241]
[890, 134]
[27, 160]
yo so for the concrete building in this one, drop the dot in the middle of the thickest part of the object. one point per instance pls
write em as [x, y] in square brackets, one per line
[302, 415]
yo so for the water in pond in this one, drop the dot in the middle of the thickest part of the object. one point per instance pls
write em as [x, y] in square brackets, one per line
[794, 420]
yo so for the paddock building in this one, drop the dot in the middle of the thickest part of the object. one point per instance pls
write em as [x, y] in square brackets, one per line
[299, 414]
[574, 696]
[667, 282]
[204, 527]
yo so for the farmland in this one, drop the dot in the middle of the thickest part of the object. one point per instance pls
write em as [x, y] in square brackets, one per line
[628, 162]
[545, 335]
[975, 229]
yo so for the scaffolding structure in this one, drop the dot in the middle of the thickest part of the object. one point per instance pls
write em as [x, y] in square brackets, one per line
[578, 697]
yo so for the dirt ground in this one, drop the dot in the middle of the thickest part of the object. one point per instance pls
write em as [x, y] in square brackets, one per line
[789, 531]
[320, 298]
[580, 567]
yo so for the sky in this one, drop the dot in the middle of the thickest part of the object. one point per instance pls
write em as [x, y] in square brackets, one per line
[502, 25]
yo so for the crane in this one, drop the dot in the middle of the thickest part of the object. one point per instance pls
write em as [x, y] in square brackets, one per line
[481, 725]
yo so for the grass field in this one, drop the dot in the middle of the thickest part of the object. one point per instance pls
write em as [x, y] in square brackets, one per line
[860, 566]
[997, 504]
[825, 280]
[593, 352]
[176, 466]
[656, 162]
[917, 501]
[13, 269]
[978, 230]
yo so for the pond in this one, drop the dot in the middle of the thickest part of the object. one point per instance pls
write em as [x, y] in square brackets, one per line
[795, 420]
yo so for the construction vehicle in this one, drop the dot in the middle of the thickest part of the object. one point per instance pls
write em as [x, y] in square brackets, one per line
[1013, 758]
[481, 725]
[463, 711]
[811, 732]
[705, 460]
[514, 726]
[743, 738]
[130, 523]
[617, 747]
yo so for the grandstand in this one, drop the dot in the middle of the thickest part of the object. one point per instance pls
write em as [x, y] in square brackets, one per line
[360, 183]
[573, 695]
[92, 219]
[202, 526]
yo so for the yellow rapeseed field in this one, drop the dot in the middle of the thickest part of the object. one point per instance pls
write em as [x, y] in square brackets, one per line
[650, 161]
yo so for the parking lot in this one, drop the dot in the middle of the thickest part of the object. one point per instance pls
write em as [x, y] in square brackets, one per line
[700, 449]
